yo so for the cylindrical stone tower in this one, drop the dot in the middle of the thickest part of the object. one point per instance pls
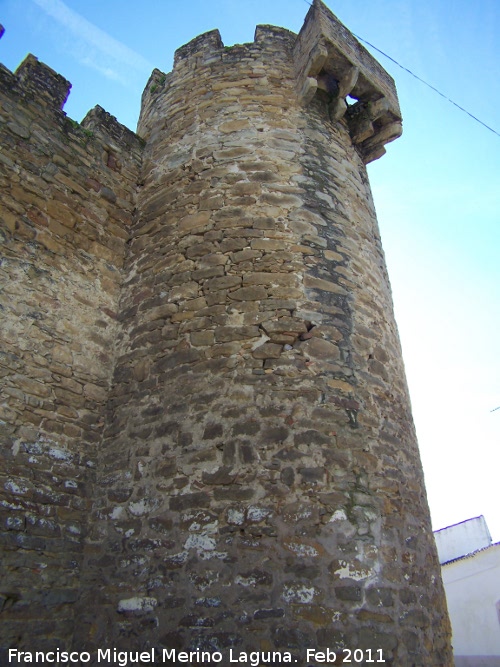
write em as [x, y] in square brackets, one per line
[261, 485]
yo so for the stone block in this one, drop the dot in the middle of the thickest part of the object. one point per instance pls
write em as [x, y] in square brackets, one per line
[320, 349]
[189, 501]
[230, 333]
[222, 476]
[256, 293]
[268, 351]
[222, 283]
[202, 338]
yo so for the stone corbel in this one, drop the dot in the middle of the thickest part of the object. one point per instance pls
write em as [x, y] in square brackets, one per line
[360, 122]
[314, 65]
[373, 147]
[369, 135]
[338, 106]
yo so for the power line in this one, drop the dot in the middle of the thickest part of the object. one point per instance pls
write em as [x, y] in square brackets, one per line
[428, 85]
[422, 81]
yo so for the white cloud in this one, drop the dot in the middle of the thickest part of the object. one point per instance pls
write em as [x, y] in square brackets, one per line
[90, 44]
[108, 72]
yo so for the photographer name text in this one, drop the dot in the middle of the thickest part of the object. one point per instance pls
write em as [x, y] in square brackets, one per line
[113, 656]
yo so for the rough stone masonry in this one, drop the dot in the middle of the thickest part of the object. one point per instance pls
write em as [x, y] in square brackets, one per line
[206, 431]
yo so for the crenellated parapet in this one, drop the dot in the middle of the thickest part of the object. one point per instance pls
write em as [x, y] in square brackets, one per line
[195, 65]
[329, 64]
[102, 124]
[199, 51]
[38, 81]
[44, 90]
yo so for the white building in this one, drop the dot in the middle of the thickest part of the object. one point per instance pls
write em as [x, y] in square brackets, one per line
[470, 566]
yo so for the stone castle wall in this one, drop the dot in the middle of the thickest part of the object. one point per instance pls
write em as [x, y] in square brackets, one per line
[68, 195]
[209, 441]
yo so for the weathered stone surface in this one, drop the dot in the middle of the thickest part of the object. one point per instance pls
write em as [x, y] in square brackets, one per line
[268, 351]
[204, 413]
[320, 350]
[249, 294]
[61, 327]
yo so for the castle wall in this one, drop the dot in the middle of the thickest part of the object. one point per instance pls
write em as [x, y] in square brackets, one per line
[207, 439]
[265, 490]
[67, 203]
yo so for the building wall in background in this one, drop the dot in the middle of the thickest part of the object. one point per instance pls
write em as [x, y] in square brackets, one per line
[462, 538]
[472, 586]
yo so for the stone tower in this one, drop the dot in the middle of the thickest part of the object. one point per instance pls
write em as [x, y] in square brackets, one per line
[208, 441]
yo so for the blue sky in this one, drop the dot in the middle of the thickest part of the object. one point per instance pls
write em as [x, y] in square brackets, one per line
[437, 190]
